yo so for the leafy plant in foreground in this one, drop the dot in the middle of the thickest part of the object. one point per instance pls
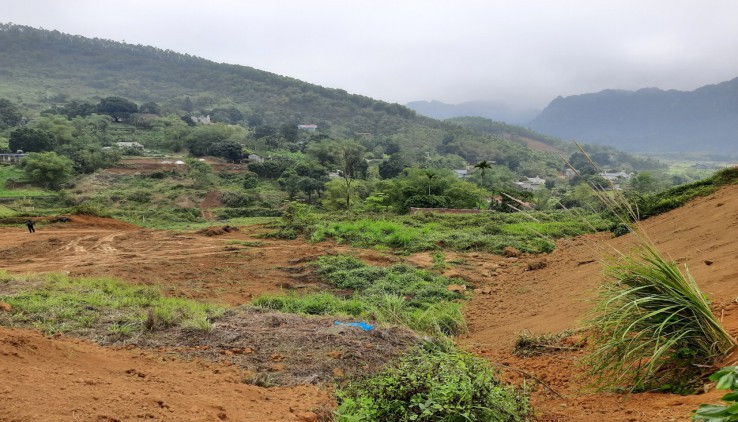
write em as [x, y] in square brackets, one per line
[432, 384]
[726, 379]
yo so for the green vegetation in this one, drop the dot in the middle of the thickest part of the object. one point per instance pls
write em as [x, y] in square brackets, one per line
[653, 328]
[97, 307]
[432, 384]
[725, 379]
[670, 199]
[529, 232]
[12, 186]
[399, 294]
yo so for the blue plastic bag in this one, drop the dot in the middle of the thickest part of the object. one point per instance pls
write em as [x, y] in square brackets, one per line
[363, 325]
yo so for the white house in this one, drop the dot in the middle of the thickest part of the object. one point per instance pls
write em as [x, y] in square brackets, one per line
[130, 145]
[531, 183]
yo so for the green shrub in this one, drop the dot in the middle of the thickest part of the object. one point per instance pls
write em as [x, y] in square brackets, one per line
[432, 384]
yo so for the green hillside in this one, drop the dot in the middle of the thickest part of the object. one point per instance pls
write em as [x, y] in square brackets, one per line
[45, 69]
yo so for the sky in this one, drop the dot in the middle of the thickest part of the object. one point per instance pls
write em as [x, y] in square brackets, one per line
[522, 53]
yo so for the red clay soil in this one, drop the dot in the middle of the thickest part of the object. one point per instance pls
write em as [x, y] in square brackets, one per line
[543, 294]
[558, 296]
[65, 379]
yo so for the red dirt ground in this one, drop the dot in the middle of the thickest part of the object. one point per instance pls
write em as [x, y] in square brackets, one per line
[235, 266]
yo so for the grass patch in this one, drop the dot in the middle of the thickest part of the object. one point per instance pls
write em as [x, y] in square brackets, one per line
[490, 232]
[399, 294]
[12, 175]
[673, 198]
[432, 384]
[96, 307]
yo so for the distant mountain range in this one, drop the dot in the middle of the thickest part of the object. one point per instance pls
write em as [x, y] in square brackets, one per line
[648, 120]
[492, 110]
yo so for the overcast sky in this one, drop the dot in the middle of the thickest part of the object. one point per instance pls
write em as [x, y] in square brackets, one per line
[521, 52]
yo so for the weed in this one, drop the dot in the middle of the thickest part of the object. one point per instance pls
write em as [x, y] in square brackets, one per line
[439, 261]
[400, 294]
[652, 327]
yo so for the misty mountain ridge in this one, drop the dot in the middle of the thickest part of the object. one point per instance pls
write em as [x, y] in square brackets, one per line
[648, 120]
[493, 110]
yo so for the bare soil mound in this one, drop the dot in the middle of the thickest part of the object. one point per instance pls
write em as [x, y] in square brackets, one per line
[64, 379]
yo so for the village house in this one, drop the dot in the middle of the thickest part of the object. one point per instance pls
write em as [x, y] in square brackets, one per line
[12, 158]
[531, 183]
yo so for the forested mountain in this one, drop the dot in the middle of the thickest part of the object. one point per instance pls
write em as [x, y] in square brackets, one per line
[649, 120]
[488, 109]
[49, 73]
[43, 69]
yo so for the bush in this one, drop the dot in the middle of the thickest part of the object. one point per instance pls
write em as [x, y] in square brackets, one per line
[236, 199]
[432, 384]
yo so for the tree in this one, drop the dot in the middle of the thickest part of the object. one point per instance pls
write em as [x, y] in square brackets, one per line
[9, 114]
[150, 108]
[391, 167]
[230, 150]
[118, 108]
[201, 139]
[76, 108]
[31, 140]
[484, 166]
[187, 105]
[47, 169]
[289, 132]
[644, 182]
[430, 175]
[201, 172]
[309, 186]
[352, 164]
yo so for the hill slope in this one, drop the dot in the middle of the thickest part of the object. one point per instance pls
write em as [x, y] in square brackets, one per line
[649, 120]
[488, 109]
[42, 67]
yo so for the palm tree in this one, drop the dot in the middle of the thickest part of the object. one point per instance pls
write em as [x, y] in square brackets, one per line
[483, 165]
[430, 175]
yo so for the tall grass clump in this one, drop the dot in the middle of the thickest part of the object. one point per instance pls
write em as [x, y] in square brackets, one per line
[652, 327]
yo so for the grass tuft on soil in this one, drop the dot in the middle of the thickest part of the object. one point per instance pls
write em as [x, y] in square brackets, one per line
[97, 307]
